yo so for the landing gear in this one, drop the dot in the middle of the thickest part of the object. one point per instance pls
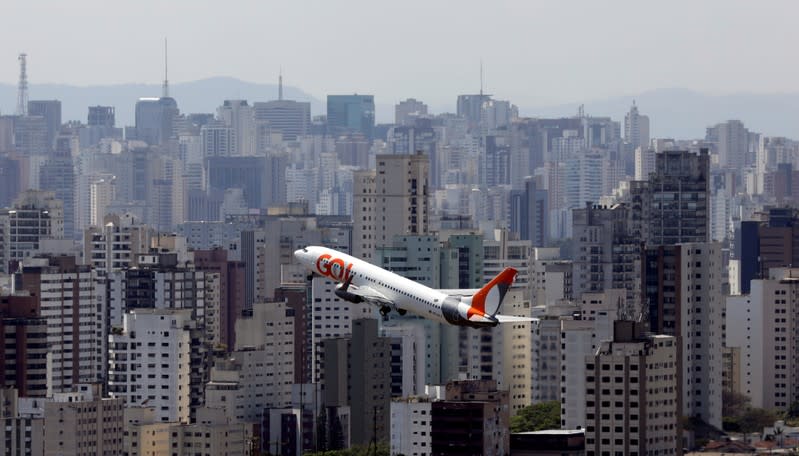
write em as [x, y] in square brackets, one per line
[384, 310]
[402, 311]
[309, 277]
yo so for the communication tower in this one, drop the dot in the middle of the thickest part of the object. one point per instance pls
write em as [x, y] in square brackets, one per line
[22, 88]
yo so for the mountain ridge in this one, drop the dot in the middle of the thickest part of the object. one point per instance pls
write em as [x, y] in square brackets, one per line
[202, 95]
[674, 112]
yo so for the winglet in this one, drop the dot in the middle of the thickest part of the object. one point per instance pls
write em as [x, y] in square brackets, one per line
[488, 299]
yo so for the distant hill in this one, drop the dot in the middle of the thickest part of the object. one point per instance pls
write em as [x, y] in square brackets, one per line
[204, 95]
[677, 113]
[683, 113]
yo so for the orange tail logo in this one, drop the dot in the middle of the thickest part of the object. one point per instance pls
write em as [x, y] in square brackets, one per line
[487, 300]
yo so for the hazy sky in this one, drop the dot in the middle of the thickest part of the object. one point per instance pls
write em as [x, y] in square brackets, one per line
[534, 52]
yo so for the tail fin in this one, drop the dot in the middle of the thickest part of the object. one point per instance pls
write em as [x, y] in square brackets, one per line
[488, 299]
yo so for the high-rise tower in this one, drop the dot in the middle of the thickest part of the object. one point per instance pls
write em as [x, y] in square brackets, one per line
[165, 87]
[22, 88]
[280, 86]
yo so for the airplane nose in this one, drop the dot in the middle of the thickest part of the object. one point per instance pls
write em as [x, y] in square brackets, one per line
[298, 254]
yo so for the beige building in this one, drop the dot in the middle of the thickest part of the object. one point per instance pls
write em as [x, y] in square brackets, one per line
[144, 436]
[211, 434]
[632, 395]
[392, 200]
[83, 422]
[731, 370]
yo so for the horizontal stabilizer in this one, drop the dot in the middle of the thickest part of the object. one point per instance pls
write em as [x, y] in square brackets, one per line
[512, 319]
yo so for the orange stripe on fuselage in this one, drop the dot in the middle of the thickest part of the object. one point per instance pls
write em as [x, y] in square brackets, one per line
[478, 306]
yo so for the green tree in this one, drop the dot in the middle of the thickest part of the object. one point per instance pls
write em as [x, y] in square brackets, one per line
[755, 419]
[538, 417]
[733, 404]
[357, 450]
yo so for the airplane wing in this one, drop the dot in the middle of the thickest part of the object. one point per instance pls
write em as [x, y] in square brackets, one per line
[460, 292]
[512, 319]
[370, 295]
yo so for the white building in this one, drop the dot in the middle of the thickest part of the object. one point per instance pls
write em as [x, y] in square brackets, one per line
[644, 162]
[150, 362]
[408, 340]
[411, 426]
[259, 374]
[636, 128]
[551, 277]
[581, 338]
[116, 244]
[240, 117]
[331, 317]
[102, 192]
[687, 301]
[762, 325]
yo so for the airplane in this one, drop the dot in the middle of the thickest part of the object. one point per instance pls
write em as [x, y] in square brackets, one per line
[360, 281]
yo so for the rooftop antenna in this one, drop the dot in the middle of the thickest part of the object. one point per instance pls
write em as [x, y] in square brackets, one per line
[22, 88]
[165, 88]
[481, 78]
[280, 85]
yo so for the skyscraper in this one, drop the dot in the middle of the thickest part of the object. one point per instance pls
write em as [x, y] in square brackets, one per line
[155, 119]
[678, 198]
[357, 374]
[290, 118]
[240, 117]
[636, 128]
[348, 113]
[406, 111]
[632, 406]
[57, 175]
[766, 244]
[34, 216]
[247, 173]
[760, 325]
[101, 116]
[732, 142]
[470, 107]
[529, 212]
[72, 300]
[683, 298]
[51, 111]
[31, 136]
[389, 201]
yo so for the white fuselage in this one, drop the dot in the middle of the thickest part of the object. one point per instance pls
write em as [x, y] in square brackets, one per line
[403, 293]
